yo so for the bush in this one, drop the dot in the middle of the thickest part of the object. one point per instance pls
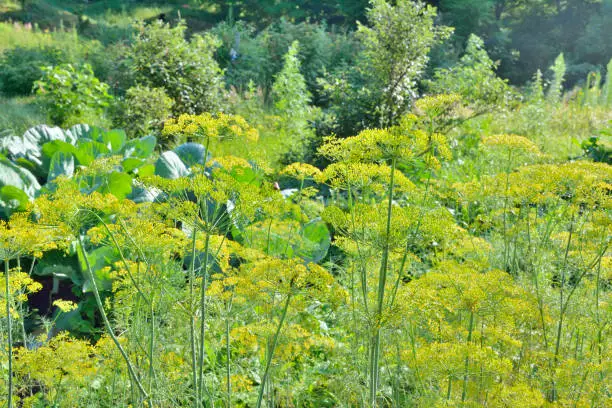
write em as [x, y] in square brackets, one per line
[143, 110]
[247, 56]
[21, 66]
[72, 95]
[474, 78]
[161, 57]
[292, 105]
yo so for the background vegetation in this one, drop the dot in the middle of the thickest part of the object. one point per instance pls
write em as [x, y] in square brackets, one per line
[305, 204]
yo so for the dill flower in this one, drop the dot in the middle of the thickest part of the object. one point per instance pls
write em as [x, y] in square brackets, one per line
[363, 177]
[512, 142]
[65, 305]
[301, 171]
[207, 126]
[370, 145]
[229, 162]
[433, 106]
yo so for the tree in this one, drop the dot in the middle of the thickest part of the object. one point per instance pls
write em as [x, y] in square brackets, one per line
[397, 44]
[382, 84]
[161, 57]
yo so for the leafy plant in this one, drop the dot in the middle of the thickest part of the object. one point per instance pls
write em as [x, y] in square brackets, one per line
[20, 67]
[142, 111]
[161, 57]
[474, 78]
[292, 105]
[72, 94]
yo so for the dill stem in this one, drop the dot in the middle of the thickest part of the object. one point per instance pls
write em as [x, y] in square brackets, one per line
[10, 334]
[107, 324]
[203, 317]
[271, 350]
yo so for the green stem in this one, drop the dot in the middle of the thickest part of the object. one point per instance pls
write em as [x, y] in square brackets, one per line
[467, 357]
[382, 280]
[107, 324]
[22, 310]
[203, 317]
[271, 350]
[228, 356]
[10, 334]
[192, 332]
[151, 345]
[553, 396]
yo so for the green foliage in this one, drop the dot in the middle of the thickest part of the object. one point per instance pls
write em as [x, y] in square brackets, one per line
[382, 85]
[536, 90]
[474, 78]
[71, 94]
[20, 67]
[396, 47]
[143, 110]
[19, 114]
[161, 57]
[292, 104]
[458, 258]
[606, 94]
[248, 55]
[555, 89]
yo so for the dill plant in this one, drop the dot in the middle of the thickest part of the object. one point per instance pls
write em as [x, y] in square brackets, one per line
[383, 150]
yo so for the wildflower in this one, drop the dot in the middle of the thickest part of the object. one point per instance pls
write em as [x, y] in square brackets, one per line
[207, 126]
[65, 305]
[301, 171]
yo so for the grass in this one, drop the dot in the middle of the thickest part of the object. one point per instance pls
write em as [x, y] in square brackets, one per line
[19, 114]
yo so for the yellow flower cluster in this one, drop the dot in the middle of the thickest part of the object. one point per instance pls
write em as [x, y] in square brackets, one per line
[207, 126]
[364, 178]
[301, 171]
[437, 105]
[229, 162]
[511, 142]
[20, 285]
[65, 305]
[371, 145]
[578, 182]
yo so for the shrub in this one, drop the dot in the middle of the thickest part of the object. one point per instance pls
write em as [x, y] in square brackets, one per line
[382, 85]
[473, 78]
[21, 66]
[71, 94]
[143, 110]
[161, 57]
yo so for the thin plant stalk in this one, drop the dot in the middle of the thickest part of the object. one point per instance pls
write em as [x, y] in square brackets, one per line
[107, 324]
[382, 280]
[271, 350]
[10, 334]
[192, 330]
[228, 357]
[203, 317]
[467, 357]
[553, 396]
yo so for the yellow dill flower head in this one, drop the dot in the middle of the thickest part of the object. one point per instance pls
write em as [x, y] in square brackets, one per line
[301, 171]
[437, 105]
[65, 305]
[21, 237]
[103, 165]
[511, 142]
[363, 177]
[208, 126]
[240, 383]
[370, 145]
[21, 285]
[229, 162]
